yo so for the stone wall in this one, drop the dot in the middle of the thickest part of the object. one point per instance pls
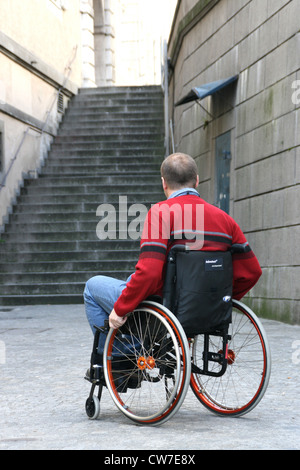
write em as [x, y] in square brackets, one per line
[259, 41]
[40, 56]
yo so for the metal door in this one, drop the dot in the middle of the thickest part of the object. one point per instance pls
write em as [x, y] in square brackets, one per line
[223, 159]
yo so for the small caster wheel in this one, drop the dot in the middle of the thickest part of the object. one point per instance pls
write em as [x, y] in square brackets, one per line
[92, 407]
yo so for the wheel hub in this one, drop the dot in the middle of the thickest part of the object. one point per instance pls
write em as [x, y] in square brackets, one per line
[230, 356]
[144, 363]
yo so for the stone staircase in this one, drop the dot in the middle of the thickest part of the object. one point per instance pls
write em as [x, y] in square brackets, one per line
[108, 149]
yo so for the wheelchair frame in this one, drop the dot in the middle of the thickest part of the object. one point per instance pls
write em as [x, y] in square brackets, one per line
[209, 372]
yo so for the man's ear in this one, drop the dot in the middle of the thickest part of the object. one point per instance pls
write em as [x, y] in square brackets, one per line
[164, 185]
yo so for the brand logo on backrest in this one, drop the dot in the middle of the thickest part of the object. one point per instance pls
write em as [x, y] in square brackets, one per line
[214, 264]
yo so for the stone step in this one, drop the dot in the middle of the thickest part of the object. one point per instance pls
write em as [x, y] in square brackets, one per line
[54, 299]
[102, 153]
[105, 131]
[118, 93]
[45, 256]
[112, 126]
[80, 235]
[133, 196]
[63, 226]
[30, 218]
[146, 99]
[117, 103]
[58, 223]
[114, 112]
[68, 209]
[66, 283]
[121, 141]
[74, 284]
[84, 157]
[119, 90]
[106, 179]
[9, 246]
[50, 268]
[43, 299]
[134, 138]
[110, 144]
[112, 122]
[151, 154]
[138, 188]
[148, 159]
[40, 283]
[102, 169]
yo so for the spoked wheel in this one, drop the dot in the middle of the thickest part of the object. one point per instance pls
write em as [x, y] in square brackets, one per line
[147, 365]
[247, 375]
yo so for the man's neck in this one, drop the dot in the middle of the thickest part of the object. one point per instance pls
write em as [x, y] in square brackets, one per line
[179, 191]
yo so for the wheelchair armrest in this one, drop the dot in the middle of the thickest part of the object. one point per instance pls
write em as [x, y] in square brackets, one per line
[239, 248]
[179, 248]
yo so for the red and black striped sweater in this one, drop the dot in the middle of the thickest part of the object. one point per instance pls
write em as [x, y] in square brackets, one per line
[176, 221]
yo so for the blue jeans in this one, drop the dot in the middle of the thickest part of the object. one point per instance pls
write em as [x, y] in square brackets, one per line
[100, 295]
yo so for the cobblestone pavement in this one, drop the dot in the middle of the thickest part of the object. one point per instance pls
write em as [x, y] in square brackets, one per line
[44, 353]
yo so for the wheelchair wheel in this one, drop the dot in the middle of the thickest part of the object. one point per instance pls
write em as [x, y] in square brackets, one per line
[147, 365]
[92, 407]
[247, 374]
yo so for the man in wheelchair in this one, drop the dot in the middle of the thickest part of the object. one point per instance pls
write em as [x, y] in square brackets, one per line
[196, 260]
[183, 218]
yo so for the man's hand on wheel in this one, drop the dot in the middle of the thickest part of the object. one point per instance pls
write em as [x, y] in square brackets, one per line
[115, 321]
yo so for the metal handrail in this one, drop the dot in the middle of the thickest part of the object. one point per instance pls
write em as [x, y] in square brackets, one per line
[48, 112]
[2, 184]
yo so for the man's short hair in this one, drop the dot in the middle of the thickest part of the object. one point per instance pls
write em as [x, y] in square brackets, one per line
[179, 170]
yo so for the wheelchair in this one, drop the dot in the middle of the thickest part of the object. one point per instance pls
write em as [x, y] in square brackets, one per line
[149, 364]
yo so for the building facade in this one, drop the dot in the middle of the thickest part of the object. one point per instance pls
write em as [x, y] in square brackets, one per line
[140, 27]
[40, 70]
[234, 95]
[233, 104]
[51, 48]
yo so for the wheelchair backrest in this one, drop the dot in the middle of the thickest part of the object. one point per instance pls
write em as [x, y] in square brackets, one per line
[198, 289]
